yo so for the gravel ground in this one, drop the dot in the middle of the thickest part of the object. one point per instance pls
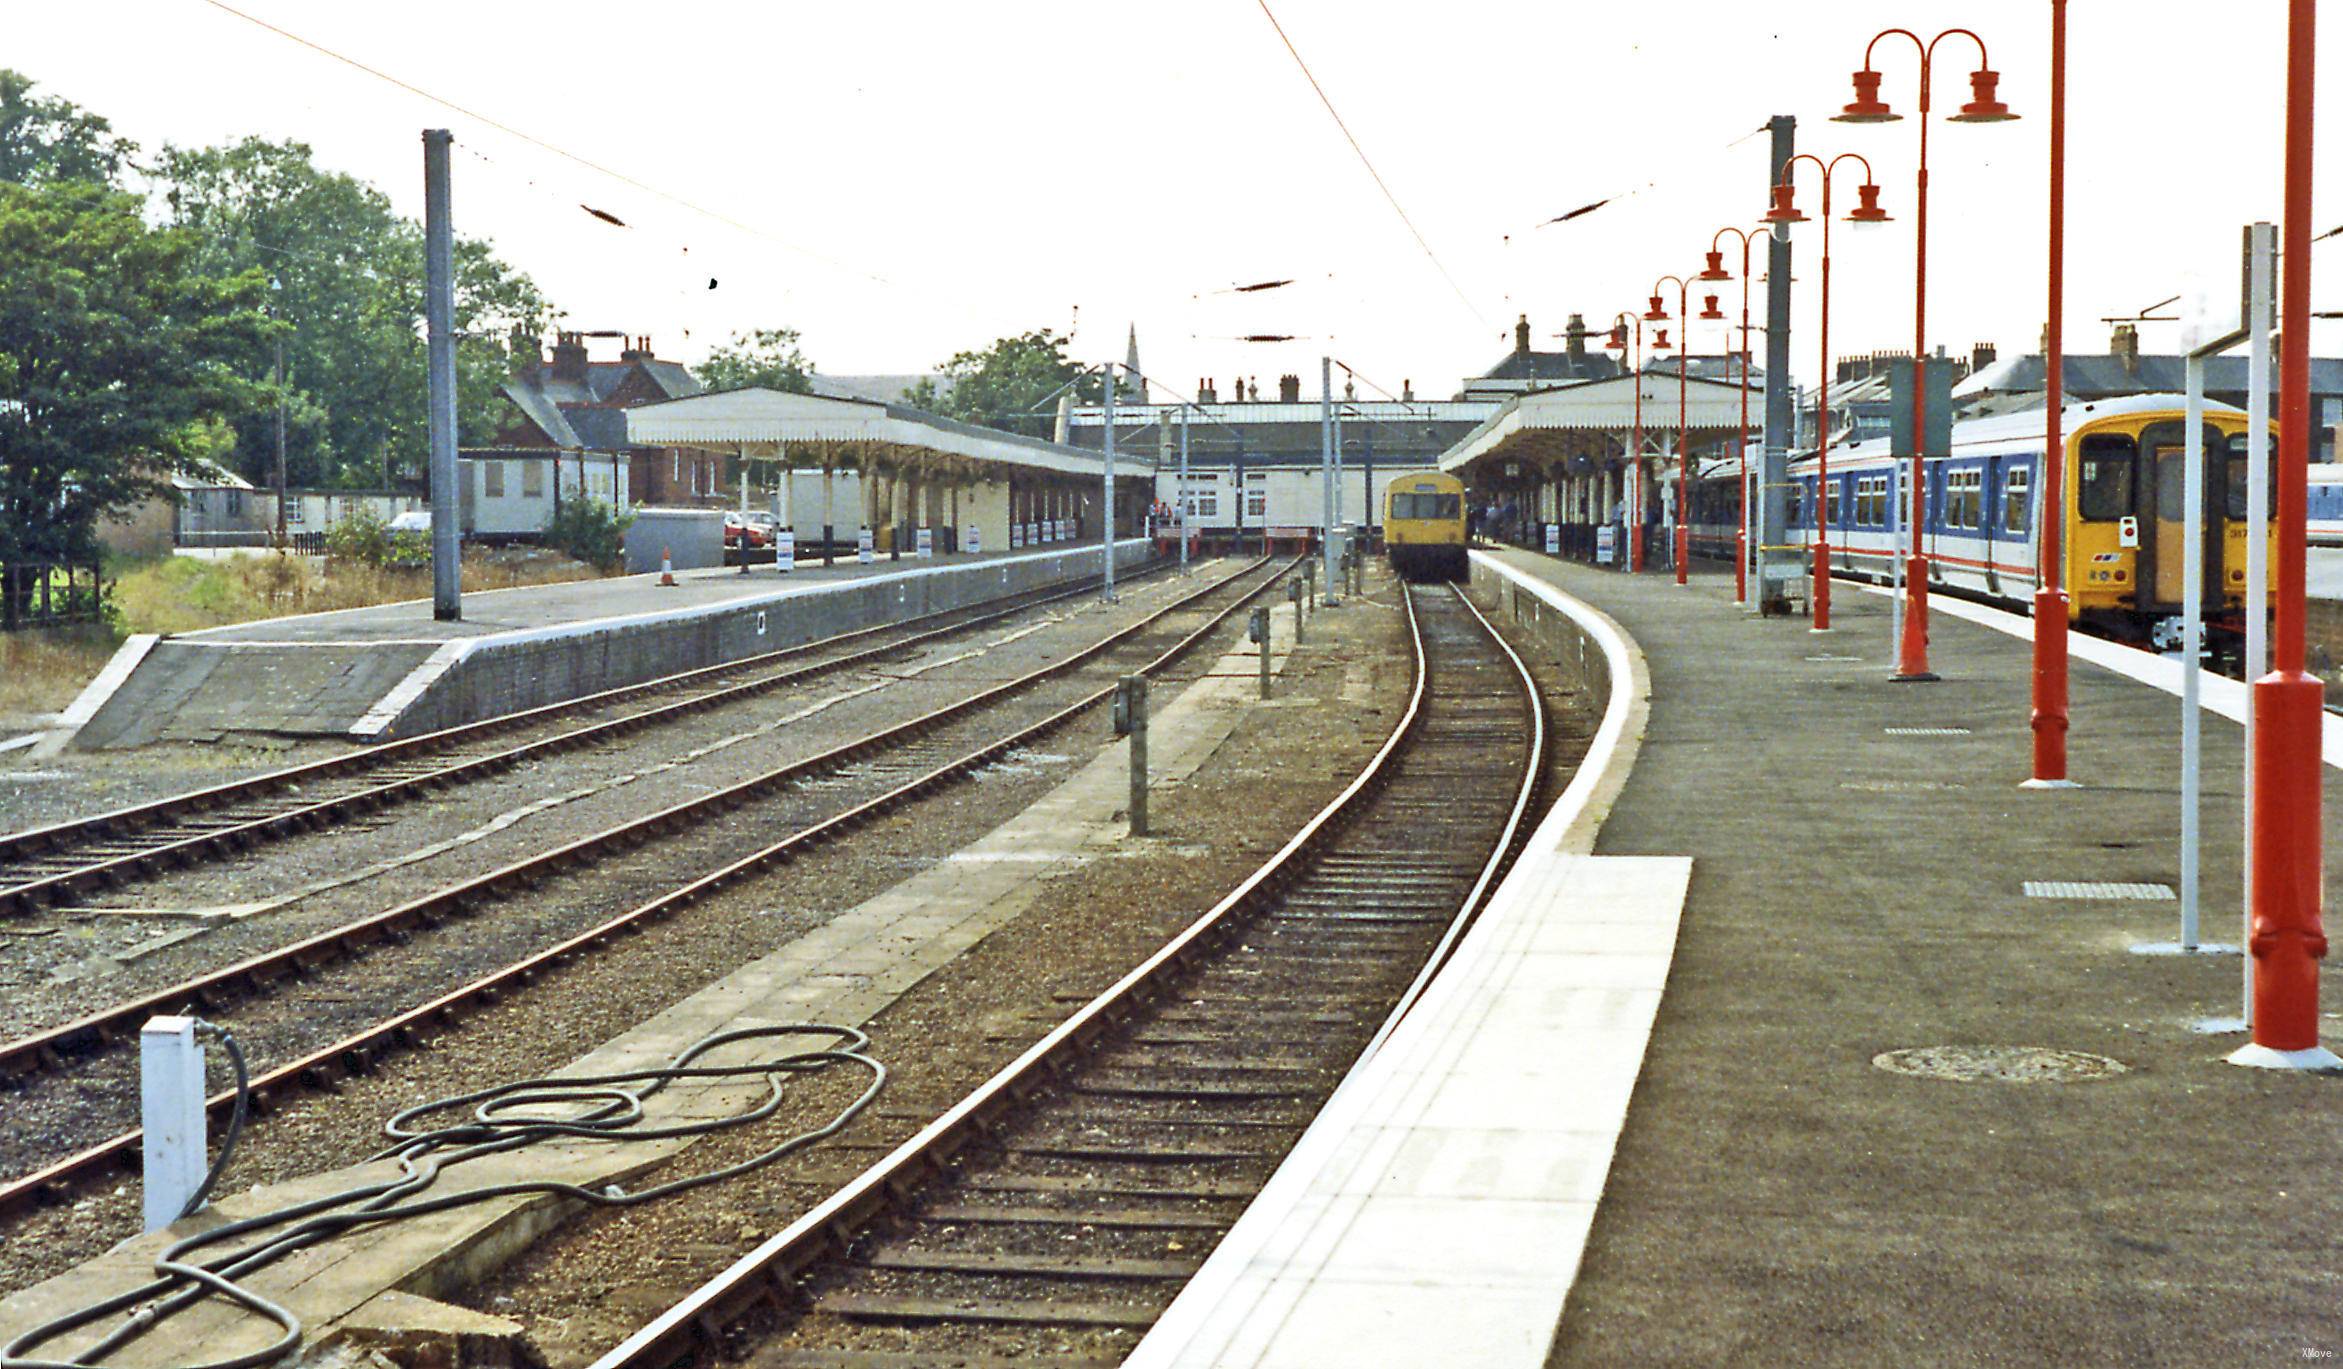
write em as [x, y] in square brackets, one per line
[596, 1280]
[97, 1097]
[531, 1032]
[52, 964]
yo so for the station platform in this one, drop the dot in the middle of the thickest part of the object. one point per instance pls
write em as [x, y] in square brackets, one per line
[367, 674]
[1913, 1092]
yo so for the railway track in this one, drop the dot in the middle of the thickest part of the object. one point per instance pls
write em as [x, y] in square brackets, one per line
[64, 860]
[1052, 1214]
[811, 801]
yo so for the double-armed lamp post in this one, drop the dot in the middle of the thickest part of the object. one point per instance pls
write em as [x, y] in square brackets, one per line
[1983, 107]
[1658, 313]
[1784, 213]
[1716, 272]
[1618, 342]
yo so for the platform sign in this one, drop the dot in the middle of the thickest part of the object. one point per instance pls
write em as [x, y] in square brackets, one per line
[864, 546]
[1553, 539]
[1033, 534]
[1065, 529]
[785, 550]
[973, 543]
[1016, 535]
[925, 542]
[1606, 544]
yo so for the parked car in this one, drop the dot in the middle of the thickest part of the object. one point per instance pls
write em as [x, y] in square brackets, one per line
[739, 530]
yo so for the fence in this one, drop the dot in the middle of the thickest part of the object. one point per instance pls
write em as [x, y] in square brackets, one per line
[50, 594]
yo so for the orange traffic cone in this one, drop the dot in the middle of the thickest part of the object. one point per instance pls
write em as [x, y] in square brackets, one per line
[666, 568]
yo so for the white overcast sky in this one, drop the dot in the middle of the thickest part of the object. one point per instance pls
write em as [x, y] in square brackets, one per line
[921, 176]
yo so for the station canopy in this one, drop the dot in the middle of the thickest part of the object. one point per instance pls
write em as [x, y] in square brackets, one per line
[814, 430]
[1584, 426]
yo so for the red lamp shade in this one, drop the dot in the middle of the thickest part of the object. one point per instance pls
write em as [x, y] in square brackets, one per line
[1783, 211]
[1659, 341]
[1983, 107]
[1710, 311]
[1658, 313]
[1868, 211]
[1716, 268]
[1617, 342]
[1867, 108]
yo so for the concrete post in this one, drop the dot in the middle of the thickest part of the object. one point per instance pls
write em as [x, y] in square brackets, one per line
[1106, 519]
[170, 1094]
[1773, 505]
[1293, 591]
[1259, 630]
[1181, 502]
[1325, 465]
[1134, 690]
[439, 311]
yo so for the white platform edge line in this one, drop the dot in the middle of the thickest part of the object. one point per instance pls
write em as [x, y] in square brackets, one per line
[1567, 831]
[2219, 695]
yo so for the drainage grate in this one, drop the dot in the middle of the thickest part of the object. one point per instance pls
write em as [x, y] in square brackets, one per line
[1998, 1064]
[2087, 889]
[1928, 732]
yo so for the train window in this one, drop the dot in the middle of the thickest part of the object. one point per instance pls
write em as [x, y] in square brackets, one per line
[2233, 475]
[1425, 505]
[2016, 486]
[2104, 483]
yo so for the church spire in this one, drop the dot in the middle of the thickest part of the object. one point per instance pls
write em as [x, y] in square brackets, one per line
[1134, 379]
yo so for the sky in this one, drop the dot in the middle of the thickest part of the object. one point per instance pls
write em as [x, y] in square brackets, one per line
[904, 180]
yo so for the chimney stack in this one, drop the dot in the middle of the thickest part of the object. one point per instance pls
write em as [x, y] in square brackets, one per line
[1407, 392]
[1289, 389]
[1981, 356]
[569, 357]
[1521, 335]
[1575, 334]
[2125, 347]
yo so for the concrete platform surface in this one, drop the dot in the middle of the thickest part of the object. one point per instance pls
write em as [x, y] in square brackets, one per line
[1861, 855]
[368, 674]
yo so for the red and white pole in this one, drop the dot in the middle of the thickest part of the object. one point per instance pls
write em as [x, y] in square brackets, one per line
[2050, 601]
[2288, 939]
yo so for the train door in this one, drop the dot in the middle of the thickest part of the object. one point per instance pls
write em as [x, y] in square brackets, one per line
[2163, 527]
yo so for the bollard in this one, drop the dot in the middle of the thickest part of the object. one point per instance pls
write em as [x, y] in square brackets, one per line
[1259, 631]
[1293, 591]
[1131, 718]
[170, 1096]
[1310, 582]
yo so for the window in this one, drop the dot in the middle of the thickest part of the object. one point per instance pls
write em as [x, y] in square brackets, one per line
[236, 504]
[293, 508]
[1256, 496]
[1203, 500]
[492, 479]
[1964, 498]
[1411, 505]
[2234, 472]
[1798, 505]
[2104, 479]
[532, 480]
[675, 469]
[2016, 489]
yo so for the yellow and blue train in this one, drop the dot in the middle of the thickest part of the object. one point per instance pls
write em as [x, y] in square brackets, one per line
[1424, 525]
[2124, 541]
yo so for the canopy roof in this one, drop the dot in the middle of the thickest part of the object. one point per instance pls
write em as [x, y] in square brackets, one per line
[1578, 422]
[769, 424]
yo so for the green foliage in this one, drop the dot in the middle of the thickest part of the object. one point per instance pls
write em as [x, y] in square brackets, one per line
[347, 279]
[1003, 385]
[119, 348]
[590, 530]
[768, 357]
[362, 537]
[45, 139]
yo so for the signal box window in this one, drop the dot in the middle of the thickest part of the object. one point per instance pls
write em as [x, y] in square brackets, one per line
[2104, 482]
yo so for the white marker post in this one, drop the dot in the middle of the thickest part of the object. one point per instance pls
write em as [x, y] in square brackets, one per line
[2192, 635]
[170, 1095]
[2261, 288]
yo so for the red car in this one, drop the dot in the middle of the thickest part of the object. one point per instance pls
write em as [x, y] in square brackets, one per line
[736, 529]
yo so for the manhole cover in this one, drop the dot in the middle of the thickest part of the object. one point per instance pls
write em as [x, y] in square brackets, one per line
[1998, 1064]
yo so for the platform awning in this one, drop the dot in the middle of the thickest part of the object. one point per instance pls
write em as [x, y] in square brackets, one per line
[1594, 420]
[818, 429]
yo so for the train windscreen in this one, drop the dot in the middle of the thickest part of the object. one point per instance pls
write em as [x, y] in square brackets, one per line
[1409, 505]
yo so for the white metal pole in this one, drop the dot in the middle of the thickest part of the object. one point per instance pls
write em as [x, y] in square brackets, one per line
[170, 1088]
[2261, 287]
[447, 592]
[2192, 624]
[1106, 520]
[1183, 495]
[1896, 518]
[1326, 461]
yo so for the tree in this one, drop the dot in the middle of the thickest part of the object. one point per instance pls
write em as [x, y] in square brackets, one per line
[1007, 384]
[47, 139]
[347, 278]
[119, 354]
[768, 357]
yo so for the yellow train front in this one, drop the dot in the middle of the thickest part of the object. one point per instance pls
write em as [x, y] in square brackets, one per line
[1423, 525]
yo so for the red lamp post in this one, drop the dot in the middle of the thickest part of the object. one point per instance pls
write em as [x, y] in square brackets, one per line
[1716, 271]
[1635, 502]
[1983, 107]
[1784, 213]
[1682, 543]
[2288, 940]
[2050, 599]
